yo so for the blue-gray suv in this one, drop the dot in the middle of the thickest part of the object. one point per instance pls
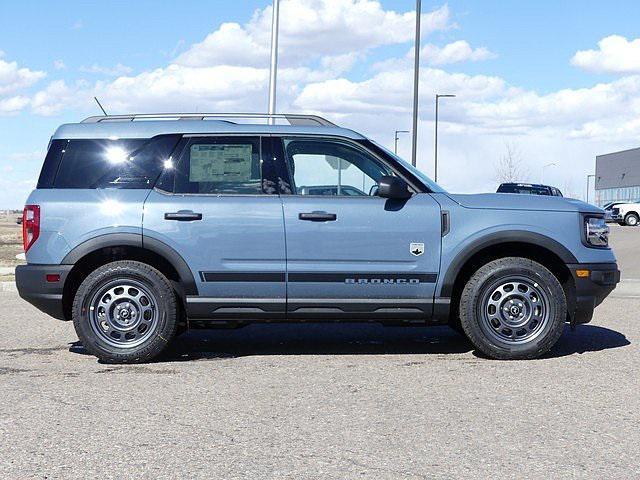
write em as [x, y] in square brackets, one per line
[143, 226]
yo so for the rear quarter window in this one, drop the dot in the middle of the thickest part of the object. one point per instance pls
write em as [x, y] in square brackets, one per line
[104, 163]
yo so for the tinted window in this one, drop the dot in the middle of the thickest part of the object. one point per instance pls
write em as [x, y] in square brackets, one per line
[220, 165]
[51, 163]
[524, 189]
[332, 168]
[133, 163]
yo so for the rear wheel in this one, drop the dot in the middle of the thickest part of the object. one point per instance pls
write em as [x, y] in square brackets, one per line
[513, 308]
[632, 219]
[125, 312]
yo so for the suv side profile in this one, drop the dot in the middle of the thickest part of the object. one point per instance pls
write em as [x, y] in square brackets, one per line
[142, 226]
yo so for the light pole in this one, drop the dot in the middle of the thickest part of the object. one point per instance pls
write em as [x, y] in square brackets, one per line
[588, 177]
[395, 148]
[435, 171]
[416, 84]
[547, 165]
[273, 78]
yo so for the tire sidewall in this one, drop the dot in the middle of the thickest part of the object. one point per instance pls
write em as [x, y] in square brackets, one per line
[472, 309]
[151, 279]
[632, 217]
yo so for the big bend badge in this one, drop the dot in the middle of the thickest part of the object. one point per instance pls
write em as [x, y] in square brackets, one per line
[416, 249]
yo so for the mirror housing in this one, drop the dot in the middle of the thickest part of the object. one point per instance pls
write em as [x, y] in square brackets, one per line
[393, 187]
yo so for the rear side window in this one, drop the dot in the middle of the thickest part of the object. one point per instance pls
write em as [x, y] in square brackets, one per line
[123, 163]
[220, 165]
[51, 163]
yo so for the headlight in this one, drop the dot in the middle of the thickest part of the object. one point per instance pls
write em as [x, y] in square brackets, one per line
[596, 232]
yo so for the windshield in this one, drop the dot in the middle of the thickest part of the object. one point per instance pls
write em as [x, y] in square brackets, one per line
[430, 184]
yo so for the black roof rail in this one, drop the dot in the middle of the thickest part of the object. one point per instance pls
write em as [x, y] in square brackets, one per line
[292, 118]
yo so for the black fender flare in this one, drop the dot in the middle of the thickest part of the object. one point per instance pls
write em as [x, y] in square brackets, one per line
[187, 280]
[496, 238]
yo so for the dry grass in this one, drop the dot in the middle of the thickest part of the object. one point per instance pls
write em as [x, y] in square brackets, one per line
[10, 244]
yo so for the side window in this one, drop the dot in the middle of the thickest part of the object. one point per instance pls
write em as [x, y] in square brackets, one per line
[331, 167]
[220, 165]
[103, 163]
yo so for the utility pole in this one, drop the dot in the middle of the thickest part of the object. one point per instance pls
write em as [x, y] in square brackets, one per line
[273, 78]
[416, 85]
[435, 167]
[395, 148]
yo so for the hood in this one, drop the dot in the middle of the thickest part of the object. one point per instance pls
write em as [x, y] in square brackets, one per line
[516, 201]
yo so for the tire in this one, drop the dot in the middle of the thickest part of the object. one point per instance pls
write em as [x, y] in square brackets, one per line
[513, 309]
[631, 219]
[125, 312]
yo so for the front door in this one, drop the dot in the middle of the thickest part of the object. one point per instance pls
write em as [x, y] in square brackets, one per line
[216, 206]
[350, 253]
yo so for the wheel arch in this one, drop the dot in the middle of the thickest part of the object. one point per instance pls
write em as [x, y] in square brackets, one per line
[534, 246]
[126, 246]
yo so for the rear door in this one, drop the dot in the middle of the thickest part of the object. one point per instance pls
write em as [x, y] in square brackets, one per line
[217, 207]
[354, 256]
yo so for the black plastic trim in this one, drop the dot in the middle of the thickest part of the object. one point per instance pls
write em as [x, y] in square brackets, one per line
[365, 278]
[591, 291]
[497, 238]
[273, 277]
[188, 282]
[45, 296]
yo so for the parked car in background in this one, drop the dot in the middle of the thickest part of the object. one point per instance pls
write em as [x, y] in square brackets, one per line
[142, 226]
[19, 220]
[626, 214]
[608, 208]
[529, 189]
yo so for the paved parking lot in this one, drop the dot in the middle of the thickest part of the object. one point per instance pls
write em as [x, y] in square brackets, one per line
[325, 401]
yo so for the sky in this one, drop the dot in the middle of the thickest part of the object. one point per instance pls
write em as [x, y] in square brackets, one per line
[555, 81]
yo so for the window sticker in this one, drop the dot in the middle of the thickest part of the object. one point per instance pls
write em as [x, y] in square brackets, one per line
[220, 163]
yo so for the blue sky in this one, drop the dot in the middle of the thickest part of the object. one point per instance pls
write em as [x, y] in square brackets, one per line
[121, 50]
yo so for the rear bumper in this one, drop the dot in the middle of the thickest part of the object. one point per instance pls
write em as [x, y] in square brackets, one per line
[593, 289]
[33, 286]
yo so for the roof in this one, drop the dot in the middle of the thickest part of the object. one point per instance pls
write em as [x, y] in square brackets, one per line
[618, 170]
[150, 125]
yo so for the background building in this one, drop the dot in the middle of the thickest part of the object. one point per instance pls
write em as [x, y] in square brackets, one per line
[618, 177]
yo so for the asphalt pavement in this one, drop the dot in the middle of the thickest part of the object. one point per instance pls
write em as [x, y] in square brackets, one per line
[323, 401]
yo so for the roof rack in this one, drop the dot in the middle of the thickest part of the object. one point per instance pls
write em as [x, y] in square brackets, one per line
[293, 119]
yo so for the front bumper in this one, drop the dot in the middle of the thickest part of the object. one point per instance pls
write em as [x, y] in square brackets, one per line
[591, 290]
[33, 286]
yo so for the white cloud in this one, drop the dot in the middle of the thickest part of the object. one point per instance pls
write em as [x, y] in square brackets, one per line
[13, 104]
[59, 65]
[455, 52]
[114, 71]
[615, 54]
[311, 29]
[14, 78]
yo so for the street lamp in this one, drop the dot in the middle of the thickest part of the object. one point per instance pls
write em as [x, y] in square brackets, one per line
[273, 77]
[547, 165]
[588, 177]
[416, 83]
[395, 148]
[438, 97]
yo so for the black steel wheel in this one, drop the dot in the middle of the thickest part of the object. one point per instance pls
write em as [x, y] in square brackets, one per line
[125, 312]
[513, 308]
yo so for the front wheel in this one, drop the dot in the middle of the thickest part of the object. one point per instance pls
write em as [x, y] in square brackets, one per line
[513, 308]
[632, 220]
[125, 312]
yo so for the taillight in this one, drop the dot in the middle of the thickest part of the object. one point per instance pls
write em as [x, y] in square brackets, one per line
[30, 225]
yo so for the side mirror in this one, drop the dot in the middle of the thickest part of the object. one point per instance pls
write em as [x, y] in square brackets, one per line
[393, 187]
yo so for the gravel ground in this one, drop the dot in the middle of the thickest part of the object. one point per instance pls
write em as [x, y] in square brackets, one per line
[320, 401]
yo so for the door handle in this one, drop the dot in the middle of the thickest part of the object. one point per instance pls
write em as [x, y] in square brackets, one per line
[183, 216]
[318, 217]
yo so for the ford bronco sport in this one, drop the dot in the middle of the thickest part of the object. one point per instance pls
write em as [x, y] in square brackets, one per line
[142, 226]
